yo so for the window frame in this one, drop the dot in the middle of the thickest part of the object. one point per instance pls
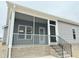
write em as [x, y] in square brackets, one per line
[74, 34]
[54, 25]
[19, 33]
[25, 38]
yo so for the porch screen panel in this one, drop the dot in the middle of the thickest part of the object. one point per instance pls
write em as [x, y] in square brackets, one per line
[23, 35]
[29, 33]
[40, 37]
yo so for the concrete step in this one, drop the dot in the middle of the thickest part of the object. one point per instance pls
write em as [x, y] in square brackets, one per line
[66, 54]
[58, 51]
[58, 56]
[56, 47]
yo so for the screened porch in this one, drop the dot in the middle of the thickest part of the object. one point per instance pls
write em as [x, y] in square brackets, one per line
[30, 30]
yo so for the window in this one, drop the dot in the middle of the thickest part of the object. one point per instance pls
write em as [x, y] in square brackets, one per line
[52, 31]
[74, 34]
[25, 32]
[21, 32]
[53, 22]
[53, 39]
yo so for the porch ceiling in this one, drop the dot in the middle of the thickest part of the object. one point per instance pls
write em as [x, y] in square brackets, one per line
[21, 16]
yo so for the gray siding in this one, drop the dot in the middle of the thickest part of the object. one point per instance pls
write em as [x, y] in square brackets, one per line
[5, 35]
[65, 31]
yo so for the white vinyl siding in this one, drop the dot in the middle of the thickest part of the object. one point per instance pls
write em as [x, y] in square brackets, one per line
[65, 31]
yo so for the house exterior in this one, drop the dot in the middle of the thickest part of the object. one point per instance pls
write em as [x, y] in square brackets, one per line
[30, 33]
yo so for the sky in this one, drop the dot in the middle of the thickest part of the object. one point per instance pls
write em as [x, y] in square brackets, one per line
[64, 9]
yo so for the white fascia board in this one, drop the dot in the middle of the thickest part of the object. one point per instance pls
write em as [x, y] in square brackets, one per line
[33, 12]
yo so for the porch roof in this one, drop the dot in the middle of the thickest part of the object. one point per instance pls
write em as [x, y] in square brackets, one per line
[32, 12]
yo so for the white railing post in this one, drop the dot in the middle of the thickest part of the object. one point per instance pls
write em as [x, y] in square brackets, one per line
[33, 29]
[57, 31]
[48, 33]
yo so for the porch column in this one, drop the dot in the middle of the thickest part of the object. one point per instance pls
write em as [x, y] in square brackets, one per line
[57, 34]
[10, 29]
[48, 33]
[33, 28]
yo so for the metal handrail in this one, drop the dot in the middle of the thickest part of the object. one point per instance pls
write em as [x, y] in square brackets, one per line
[65, 46]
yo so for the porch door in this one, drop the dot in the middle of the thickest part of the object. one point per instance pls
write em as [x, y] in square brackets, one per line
[41, 35]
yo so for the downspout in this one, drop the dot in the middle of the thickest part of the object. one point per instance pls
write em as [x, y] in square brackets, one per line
[8, 22]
